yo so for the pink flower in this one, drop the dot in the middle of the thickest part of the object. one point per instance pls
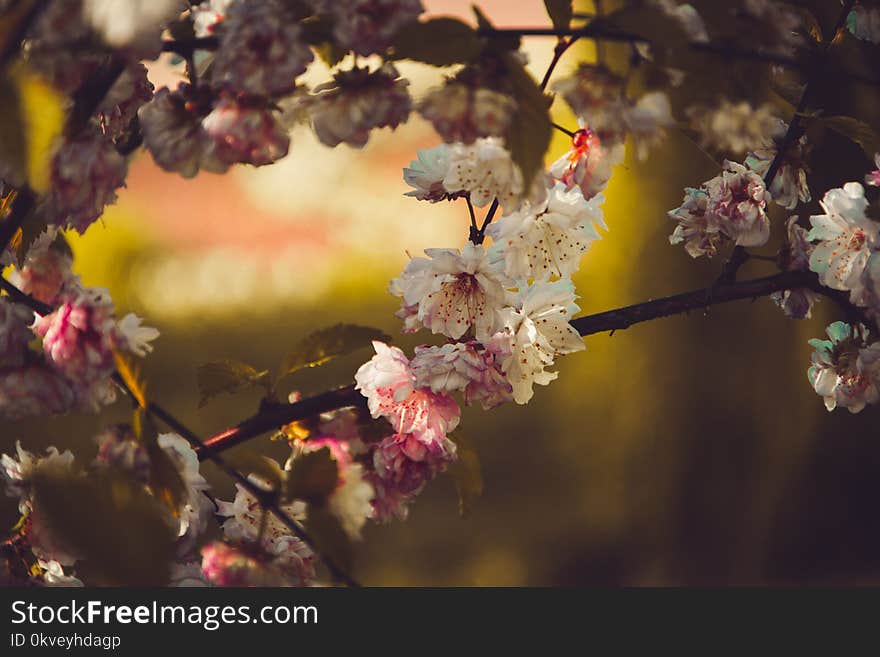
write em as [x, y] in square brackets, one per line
[46, 272]
[737, 203]
[470, 367]
[227, 565]
[239, 133]
[588, 164]
[79, 336]
[86, 172]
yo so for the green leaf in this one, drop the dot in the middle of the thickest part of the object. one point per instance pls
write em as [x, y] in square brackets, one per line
[329, 538]
[438, 42]
[466, 472]
[313, 477]
[530, 131]
[248, 462]
[560, 12]
[121, 532]
[228, 376]
[858, 131]
[324, 345]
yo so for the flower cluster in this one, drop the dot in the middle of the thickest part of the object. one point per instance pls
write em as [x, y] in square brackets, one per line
[79, 339]
[732, 206]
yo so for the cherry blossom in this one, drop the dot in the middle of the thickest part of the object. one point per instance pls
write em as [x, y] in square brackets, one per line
[737, 202]
[196, 508]
[461, 113]
[239, 133]
[454, 291]
[846, 237]
[588, 164]
[388, 383]
[472, 368]
[86, 172]
[244, 565]
[425, 175]
[131, 23]
[261, 49]
[549, 239]
[699, 235]
[356, 102]
[485, 171]
[789, 184]
[278, 545]
[845, 368]
[538, 326]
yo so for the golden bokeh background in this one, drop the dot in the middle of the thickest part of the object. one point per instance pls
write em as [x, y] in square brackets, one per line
[689, 450]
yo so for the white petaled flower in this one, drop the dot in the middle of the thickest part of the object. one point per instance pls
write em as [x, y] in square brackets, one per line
[737, 203]
[197, 508]
[461, 113]
[845, 368]
[425, 175]
[873, 178]
[539, 330]
[588, 165]
[845, 237]
[137, 337]
[537, 242]
[864, 23]
[485, 170]
[356, 102]
[472, 368]
[736, 128]
[699, 235]
[647, 120]
[131, 23]
[368, 26]
[454, 291]
[207, 15]
[789, 184]
[262, 49]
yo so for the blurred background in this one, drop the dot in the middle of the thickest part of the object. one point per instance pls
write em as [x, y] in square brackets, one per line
[685, 451]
